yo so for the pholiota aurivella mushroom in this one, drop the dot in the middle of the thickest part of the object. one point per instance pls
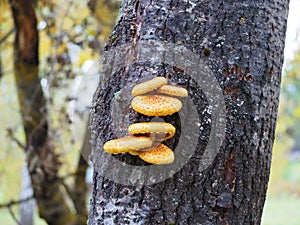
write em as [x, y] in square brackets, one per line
[126, 144]
[173, 90]
[151, 98]
[156, 105]
[159, 130]
[160, 154]
[148, 86]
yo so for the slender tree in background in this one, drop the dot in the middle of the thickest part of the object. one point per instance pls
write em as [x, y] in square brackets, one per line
[42, 162]
[242, 44]
[61, 196]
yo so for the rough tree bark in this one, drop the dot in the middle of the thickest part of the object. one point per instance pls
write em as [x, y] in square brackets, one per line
[242, 43]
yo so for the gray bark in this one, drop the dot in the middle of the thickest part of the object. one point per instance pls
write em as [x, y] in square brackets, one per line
[26, 208]
[242, 43]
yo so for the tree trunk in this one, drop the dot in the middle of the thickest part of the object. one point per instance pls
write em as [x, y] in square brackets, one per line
[80, 185]
[26, 208]
[43, 163]
[220, 51]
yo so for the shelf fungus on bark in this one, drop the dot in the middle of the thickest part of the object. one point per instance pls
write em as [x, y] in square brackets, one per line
[160, 154]
[156, 105]
[126, 144]
[148, 86]
[173, 90]
[158, 130]
[151, 98]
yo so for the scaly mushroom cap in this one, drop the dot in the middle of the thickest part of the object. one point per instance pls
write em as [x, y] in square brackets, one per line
[173, 90]
[160, 154]
[148, 86]
[156, 105]
[126, 144]
[162, 130]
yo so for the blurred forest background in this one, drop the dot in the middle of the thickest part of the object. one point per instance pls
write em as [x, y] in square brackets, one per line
[72, 35]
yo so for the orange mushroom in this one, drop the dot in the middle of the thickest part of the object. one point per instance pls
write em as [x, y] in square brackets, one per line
[160, 130]
[147, 145]
[160, 154]
[156, 105]
[133, 152]
[148, 86]
[173, 90]
[126, 144]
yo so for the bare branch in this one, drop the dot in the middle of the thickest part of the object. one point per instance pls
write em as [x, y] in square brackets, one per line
[13, 216]
[7, 35]
[15, 202]
[10, 134]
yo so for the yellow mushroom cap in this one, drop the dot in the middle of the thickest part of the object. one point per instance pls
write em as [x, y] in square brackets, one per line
[160, 154]
[173, 90]
[166, 129]
[156, 105]
[148, 86]
[126, 144]
[133, 153]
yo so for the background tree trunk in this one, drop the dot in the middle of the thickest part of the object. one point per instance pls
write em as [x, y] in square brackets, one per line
[26, 208]
[43, 163]
[242, 43]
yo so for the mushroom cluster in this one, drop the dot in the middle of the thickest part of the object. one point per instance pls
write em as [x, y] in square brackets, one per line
[151, 98]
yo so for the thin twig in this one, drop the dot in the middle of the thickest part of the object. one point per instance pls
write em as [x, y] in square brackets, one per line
[13, 216]
[6, 35]
[15, 202]
[11, 135]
